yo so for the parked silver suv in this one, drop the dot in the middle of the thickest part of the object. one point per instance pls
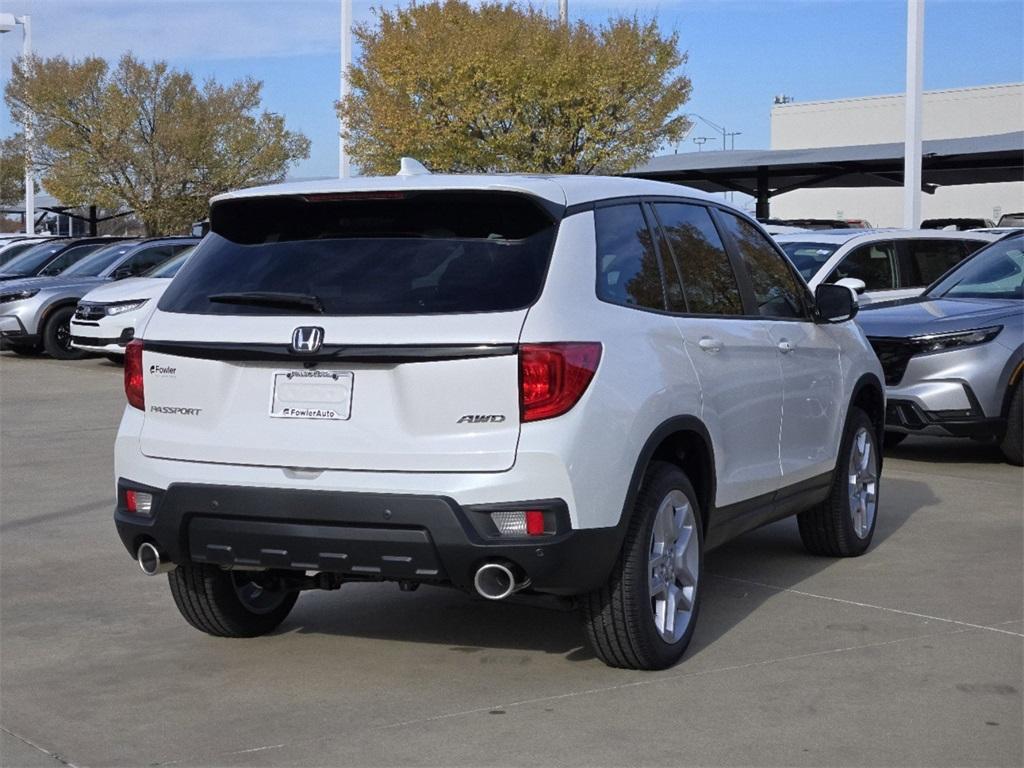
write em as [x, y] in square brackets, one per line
[954, 357]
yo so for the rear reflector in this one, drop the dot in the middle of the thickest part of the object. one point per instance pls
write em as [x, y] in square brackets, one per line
[553, 377]
[517, 522]
[133, 386]
[138, 502]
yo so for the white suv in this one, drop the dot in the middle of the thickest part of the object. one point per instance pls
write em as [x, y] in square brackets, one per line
[564, 385]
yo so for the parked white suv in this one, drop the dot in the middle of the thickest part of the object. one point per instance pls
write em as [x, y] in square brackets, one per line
[563, 385]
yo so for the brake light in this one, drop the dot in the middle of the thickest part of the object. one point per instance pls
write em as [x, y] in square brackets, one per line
[553, 377]
[133, 387]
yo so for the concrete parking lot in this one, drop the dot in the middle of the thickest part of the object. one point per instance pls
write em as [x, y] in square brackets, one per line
[910, 655]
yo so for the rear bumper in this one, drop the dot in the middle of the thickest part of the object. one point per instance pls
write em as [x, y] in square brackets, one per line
[363, 536]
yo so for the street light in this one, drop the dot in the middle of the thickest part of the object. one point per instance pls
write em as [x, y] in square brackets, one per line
[8, 21]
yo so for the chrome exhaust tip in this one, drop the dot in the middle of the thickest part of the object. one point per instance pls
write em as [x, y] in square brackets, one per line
[496, 581]
[150, 560]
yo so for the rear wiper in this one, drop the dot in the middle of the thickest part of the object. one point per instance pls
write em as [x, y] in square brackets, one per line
[276, 299]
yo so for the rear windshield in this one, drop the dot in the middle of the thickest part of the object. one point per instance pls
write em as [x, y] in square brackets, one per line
[375, 254]
[808, 258]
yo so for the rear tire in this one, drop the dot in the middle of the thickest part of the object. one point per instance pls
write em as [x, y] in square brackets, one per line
[228, 603]
[843, 524]
[1010, 445]
[644, 617]
[57, 336]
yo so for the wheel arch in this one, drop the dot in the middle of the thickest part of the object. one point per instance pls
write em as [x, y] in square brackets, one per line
[685, 442]
[49, 309]
[869, 395]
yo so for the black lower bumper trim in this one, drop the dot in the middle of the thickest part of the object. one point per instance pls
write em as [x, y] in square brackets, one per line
[907, 416]
[362, 536]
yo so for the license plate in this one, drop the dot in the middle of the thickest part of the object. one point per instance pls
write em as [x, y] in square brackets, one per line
[312, 394]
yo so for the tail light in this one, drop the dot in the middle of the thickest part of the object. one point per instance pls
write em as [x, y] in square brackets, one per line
[133, 388]
[553, 377]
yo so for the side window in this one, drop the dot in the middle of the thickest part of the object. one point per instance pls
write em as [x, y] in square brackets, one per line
[871, 263]
[708, 280]
[69, 257]
[147, 258]
[928, 260]
[776, 289]
[627, 263]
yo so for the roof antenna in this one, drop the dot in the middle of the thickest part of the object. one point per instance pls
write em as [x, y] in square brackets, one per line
[411, 167]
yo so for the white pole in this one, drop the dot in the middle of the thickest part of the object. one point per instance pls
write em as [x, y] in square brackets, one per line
[563, 12]
[912, 135]
[30, 178]
[346, 61]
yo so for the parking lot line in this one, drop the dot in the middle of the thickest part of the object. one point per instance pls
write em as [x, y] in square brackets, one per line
[870, 605]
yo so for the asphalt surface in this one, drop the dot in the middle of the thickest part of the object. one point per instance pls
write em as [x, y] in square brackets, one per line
[909, 655]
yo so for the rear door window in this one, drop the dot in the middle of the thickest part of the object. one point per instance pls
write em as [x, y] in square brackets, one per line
[628, 271]
[386, 253]
[709, 282]
[873, 263]
[777, 290]
[925, 261]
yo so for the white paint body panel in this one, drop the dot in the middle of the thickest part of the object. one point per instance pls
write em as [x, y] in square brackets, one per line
[403, 436]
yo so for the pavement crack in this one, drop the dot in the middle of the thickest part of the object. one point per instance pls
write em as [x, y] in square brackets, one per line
[53, 755]
[914, 614]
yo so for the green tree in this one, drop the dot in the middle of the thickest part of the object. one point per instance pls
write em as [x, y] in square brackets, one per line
[502, 87]
[147, 137]
[12, 170]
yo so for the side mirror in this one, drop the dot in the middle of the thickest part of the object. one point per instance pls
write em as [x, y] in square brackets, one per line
[121, 273]
[834, 303]
[855, 285]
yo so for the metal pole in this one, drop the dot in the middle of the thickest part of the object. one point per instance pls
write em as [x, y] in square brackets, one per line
[563, 12]
[346, 61]
[912, 128]
[30, 177]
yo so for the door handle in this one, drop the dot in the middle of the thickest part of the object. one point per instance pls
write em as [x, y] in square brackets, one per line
[785, 347]
[710, 345]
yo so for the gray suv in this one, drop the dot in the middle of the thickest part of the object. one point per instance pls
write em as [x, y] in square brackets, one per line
[954, 356]
[35, 313]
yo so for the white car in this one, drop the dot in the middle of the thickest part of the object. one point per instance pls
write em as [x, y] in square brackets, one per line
[571, 386]
[106, 317]
[880, 264]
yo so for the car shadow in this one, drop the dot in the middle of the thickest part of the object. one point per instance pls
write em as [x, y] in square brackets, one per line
[467, 624]
[947, 450]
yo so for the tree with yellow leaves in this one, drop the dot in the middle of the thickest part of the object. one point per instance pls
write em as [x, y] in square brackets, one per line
[146, 137]
[503, 87]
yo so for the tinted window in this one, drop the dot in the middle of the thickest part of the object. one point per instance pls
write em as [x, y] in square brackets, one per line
[776, 289]
[928, 260]
[170, 268]
[627, 264]
[708, 279]
[31, 260]
[16, 249]
[95, 263]
[871, 263]
[146, 258]
[808, 258]
[994, 273]
[369, 254]
[67, 258]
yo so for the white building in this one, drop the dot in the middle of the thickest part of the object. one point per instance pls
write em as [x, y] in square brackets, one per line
[948, 114]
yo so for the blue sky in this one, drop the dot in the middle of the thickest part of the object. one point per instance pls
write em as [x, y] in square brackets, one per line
[741, 53]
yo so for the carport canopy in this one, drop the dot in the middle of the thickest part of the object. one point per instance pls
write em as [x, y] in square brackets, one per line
[764, 174]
